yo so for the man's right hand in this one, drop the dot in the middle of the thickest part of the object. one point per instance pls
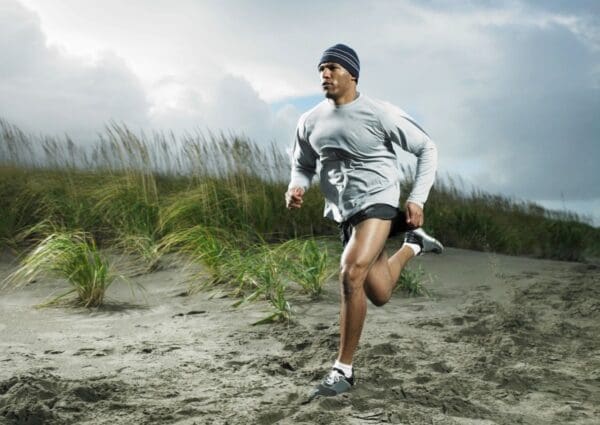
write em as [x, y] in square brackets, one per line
[293, 197]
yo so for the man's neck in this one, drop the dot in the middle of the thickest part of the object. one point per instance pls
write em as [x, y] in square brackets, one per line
[351, 96]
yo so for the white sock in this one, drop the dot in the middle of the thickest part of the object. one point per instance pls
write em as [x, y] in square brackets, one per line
[346, 368]
[416, 248]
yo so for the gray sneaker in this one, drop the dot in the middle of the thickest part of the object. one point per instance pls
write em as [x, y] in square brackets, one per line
[426, 242]
[335, 383]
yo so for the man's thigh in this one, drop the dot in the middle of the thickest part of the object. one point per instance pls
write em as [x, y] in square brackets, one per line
[367, 242]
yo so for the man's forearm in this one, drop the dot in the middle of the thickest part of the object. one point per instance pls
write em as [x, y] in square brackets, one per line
[301, 178]
[425, 175]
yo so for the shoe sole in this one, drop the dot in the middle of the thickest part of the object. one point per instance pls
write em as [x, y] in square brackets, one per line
[430, 244]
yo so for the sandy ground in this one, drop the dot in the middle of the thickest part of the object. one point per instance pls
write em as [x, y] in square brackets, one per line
[502, 340]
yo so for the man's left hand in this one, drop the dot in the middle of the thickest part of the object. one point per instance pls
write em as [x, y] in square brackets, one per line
[414, 215]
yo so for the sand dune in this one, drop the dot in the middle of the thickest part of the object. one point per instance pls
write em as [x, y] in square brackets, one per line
[502, 340]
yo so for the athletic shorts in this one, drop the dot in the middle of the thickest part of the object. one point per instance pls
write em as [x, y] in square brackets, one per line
[381, 211]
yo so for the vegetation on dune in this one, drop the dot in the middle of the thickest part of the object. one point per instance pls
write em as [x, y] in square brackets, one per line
[219, 200]
[216, 249]
[411, 282]
[485, 222]
[310, 264]
[251, 271]
[74, 257]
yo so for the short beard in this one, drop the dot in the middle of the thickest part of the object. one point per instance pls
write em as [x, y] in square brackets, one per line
[329, 95]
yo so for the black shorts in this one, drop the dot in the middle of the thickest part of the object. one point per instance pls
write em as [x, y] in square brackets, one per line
[381, 211]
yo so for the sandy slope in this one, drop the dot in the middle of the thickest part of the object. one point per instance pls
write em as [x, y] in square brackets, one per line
[503, 340]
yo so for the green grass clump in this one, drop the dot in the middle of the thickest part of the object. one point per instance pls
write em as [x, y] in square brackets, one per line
[216, 249]
[127, 205]
[282, 310]
[231, 261]
[411, 282]
[144, 249]
[263, 275]
[72, 256]
[309, 265]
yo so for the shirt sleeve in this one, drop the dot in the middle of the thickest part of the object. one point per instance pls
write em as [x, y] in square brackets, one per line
[404, 132]
[304, 160]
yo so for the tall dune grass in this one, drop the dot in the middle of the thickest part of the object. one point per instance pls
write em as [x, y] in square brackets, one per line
[215, 248]
[247, 270]
[485, 222]
[137, 189]
[74, 257]
[310, 264]
[219, 200]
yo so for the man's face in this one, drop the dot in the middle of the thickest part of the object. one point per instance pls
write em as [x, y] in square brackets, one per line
[336, 81]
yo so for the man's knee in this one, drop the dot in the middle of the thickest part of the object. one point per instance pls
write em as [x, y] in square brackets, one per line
[380, 300]
[377, 294]
[353, 276]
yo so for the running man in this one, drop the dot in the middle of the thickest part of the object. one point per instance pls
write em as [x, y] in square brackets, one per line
[355, 137]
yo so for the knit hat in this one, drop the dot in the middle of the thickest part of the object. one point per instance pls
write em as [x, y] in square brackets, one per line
[342, 55]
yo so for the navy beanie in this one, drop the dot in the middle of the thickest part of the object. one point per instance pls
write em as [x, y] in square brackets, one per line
[342, 55]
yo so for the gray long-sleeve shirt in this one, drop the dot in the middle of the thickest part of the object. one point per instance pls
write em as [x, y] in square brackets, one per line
[355, 145]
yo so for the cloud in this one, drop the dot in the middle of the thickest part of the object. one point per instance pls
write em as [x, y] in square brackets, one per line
[538, 128]
[231, 105]
[509, 90]
[45, 91]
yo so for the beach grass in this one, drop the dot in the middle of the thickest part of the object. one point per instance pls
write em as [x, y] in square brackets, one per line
[411, 282]
[310, 264]
[212, 247]
[74, 257]
[264, 278]
[218, 199]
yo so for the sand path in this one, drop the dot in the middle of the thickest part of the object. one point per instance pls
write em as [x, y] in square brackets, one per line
[502, 340]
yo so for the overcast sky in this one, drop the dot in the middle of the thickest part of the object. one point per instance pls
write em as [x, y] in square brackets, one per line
[509, 91]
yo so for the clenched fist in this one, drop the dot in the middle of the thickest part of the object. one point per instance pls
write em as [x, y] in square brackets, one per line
[414, 215]
[293, 197]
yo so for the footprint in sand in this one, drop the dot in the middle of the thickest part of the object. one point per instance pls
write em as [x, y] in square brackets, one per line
[271, 417]
[384, 349]
[422, 378]
[440, 367]
[190, 313]
[40, 398]
[429, 323]
[299, 346]
[171, 348]
[92, 352]
[83, 351]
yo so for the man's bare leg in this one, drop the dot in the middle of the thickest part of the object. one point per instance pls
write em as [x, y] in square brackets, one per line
[384, 274]
[367, 271]
[365, 246]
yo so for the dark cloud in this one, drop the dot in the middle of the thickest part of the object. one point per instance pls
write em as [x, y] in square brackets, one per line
[510, 94]
[589, 8]
[44, 90]
[538, 129]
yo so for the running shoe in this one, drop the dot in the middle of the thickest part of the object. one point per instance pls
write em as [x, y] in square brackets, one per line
[426, 242]
[335, 383]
